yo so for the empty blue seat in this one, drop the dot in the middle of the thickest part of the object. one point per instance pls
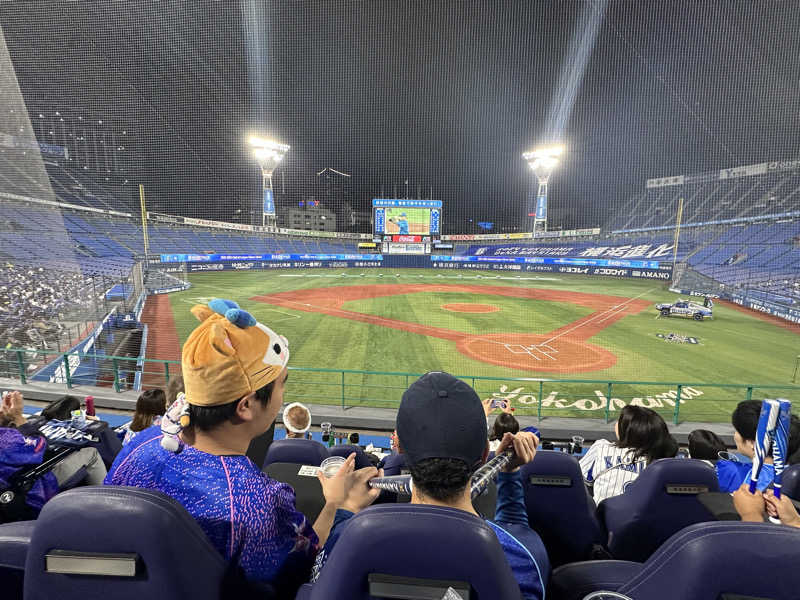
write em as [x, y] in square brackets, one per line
[15, 538]
[657, 504]
[560, 508]
[299, 451]
[700, 562]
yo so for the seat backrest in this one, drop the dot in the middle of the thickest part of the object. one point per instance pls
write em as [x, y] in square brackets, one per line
[427, 543]
[394, 464]
[309, 499]
[756, 560]
[661, 501]
[346, 450]
[560, 508]
[130, 543]
[299, 451]
[791, 482]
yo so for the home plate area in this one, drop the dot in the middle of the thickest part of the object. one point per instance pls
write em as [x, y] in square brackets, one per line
[533, 352]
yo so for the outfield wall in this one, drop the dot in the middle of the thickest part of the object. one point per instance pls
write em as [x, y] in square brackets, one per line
[642, 269]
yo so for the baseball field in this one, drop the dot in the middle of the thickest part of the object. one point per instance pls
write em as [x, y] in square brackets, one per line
[505, 333]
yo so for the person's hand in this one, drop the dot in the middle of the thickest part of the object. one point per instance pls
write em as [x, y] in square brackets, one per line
[749, 506]
[524, 445]
[336, 488]
[11, 407]
[487, 406]
[782, 509]
[360, 495]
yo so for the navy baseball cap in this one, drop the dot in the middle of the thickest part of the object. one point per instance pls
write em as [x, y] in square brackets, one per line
[441, 417]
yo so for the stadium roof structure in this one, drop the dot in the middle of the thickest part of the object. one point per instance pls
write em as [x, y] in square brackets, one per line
[330, 171]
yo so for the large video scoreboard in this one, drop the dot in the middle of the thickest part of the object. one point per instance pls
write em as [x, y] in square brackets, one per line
[406, 226]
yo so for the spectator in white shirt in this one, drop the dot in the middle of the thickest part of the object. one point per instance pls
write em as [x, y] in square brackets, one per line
[642, 437]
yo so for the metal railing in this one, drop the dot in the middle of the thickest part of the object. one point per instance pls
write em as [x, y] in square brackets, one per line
[348, 388]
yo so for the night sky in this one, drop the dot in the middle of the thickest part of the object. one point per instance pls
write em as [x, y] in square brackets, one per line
[446, 94]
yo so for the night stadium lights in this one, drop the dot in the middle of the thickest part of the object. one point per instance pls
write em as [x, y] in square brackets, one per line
[268, 153]
[542, 161]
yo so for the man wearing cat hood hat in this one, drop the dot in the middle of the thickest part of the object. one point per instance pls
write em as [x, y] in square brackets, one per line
[234, 371]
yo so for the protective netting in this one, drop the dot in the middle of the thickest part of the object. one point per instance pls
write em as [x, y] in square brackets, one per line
[166, 145]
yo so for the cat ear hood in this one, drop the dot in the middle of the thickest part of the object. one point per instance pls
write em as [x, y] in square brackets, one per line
[229, 355]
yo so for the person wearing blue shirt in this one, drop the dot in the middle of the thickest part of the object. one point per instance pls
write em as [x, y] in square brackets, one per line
[732, 473]
[401, 222]
[441, 429]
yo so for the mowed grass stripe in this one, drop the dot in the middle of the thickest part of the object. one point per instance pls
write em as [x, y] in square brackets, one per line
[515, 314]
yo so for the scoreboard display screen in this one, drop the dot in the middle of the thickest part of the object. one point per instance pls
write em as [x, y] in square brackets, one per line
[408, 221]
[407, 217]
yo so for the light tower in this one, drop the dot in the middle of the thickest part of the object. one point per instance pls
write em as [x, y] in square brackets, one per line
[268, 153]
[543, 161]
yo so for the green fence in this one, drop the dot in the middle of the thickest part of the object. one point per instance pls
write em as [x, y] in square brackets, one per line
[539, 397]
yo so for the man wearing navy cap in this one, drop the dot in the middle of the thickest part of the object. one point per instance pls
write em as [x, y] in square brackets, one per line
[441, 428]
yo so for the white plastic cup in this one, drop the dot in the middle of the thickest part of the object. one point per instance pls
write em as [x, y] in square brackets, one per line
[330, 466]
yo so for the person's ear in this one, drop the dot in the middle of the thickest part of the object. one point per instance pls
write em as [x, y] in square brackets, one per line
[244, 409]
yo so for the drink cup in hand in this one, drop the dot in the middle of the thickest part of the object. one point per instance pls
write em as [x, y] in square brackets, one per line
[330, 466]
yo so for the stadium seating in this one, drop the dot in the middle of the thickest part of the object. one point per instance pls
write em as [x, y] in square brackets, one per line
[395, 544]
[131, 543]
[393, 464]
[791, 482]
[15, 538]
[702, 561]
[346, 449]
[309, 499]
[560, 509]
[658, 503]
[297, 451]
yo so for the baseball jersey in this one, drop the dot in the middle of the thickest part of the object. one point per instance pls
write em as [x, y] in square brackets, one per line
[403, 225]
[248, 517]
[611, 469]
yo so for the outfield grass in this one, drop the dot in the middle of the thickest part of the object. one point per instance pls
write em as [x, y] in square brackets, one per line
[734, 348]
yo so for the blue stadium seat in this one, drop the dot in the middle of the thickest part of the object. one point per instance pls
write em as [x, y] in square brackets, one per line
[560, 508]
[702, 562]
[153, 547]
[657, 504]
[393, 464]
[791, 482]
[395, 544]
[346, 449]
[15, 538]
[298, 451]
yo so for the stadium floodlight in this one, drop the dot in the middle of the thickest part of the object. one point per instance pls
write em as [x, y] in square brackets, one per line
[542, 161]
[268, 153]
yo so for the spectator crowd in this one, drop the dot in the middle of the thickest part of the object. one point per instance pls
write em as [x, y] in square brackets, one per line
[34, 301]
